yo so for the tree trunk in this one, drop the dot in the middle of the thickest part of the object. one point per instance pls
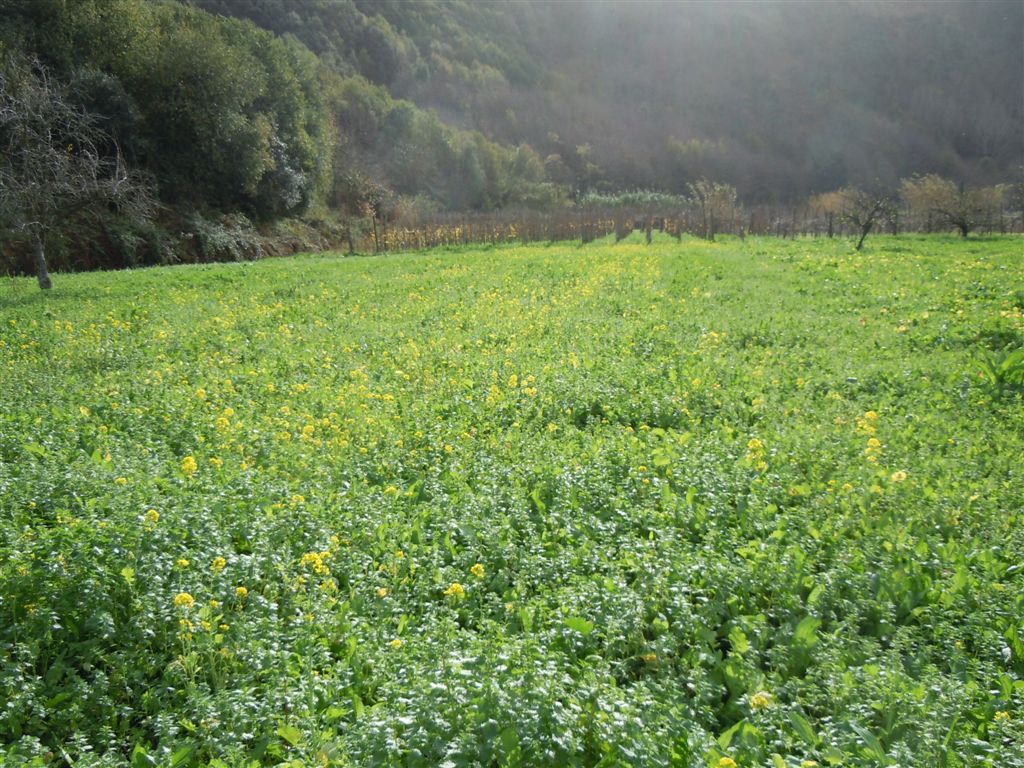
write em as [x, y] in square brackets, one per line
[39, 256]
[863, 234]
[831, 228]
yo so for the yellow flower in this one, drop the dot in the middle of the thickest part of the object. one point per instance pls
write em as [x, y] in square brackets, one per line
[121, 481]
[761, 700]
[898, 476]
[152, 517]
[315, 560]
[871, 416]
[456, 590]
[726, 762]
[241, 593]
[874, 443]
[189, 466]
[650, 658]
[200, 394]
[396, 643]
[181, 562]
[1002, 716]
[184, 600]
[383, 592]
[218, 564]
[477, 570]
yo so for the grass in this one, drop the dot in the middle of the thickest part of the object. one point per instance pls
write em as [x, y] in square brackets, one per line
[614, 505]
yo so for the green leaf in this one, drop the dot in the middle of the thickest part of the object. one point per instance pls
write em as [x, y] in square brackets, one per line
[35, 449]
[803, 728]
[873, 745]
[182, 756]
[290, 733]
[738, 640]
[579, 624]
[141, 758]
[805, 633]
[509, 740]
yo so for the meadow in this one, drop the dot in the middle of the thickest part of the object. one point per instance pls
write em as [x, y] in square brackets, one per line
[745, 503]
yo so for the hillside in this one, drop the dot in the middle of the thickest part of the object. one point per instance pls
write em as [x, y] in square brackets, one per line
[780, 99]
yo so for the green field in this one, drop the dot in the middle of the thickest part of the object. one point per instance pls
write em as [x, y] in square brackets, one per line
[751, 503]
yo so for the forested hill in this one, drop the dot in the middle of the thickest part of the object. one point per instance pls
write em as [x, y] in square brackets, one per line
[780, 99]
[229, 113]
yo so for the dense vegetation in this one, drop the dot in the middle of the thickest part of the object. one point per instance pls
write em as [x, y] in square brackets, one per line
[697, 504]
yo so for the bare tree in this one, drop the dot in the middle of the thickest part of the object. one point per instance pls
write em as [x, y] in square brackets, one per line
[830, 204]
[716, 204]
[864, 209]
[55, 163]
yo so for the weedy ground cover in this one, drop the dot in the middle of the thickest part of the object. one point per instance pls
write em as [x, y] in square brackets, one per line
[742, 503]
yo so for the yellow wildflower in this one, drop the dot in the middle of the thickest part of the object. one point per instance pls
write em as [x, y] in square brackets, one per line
[315, 561]
[396, 643]
[456, 590]
[726, 762]
[152, 517]
[650, 658]
[477, 570]
[241, 593]
[1002, 716]
[383, 591]
[121, 481]
[218, 564]
[761, 700]
[189, 465]
[200, 394]
[184, 600]
[181, 562]
[899, 476]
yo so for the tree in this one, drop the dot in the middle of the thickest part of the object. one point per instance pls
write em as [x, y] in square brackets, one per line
[863, 209]
[937, 198]
[831, 204]
[716, 204]
[51, 164]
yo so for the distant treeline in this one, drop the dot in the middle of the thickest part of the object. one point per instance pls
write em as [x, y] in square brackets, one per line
[927, 204]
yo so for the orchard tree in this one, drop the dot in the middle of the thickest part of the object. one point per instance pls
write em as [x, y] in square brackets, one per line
[52, 167]
[863, 209]
[831, 204]
[716, 204]
[936, 198]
